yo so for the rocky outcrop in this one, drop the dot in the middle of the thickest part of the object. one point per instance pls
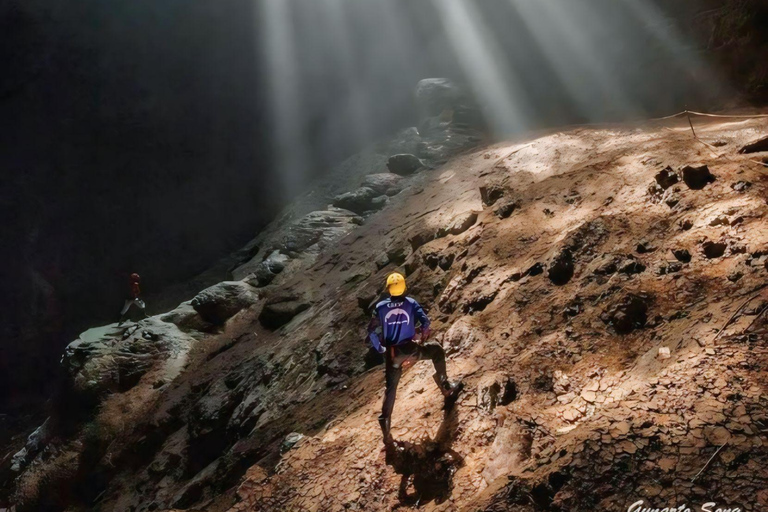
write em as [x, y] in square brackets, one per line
[386, 183]
[404, 164]
[360, 201]
[221, 302]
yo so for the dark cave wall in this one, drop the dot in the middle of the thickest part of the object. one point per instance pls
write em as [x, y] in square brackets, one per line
[130, 141]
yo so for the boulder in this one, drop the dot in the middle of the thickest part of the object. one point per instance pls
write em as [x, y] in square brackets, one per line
[185, 317]
[222, 301]
[697, 177]
[280, 310]
[385, 183]
[666, 178]
[113, 359]
[268, 269]
[360, 201]
[404, 164]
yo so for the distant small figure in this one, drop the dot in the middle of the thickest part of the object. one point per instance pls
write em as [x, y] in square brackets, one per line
[135, 299]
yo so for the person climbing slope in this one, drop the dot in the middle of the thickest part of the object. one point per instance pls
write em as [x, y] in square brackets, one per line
[135, 300]
[396, 318]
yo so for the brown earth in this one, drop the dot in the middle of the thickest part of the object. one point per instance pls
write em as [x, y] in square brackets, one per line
[556, 308]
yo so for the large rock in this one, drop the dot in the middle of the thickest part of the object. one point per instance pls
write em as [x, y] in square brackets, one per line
[280, 310]
[221, 302]
[113, 359]
[404, 164]
[319, 228]
[697, 177]
[268, 269]
[385, 183]
[360, 201]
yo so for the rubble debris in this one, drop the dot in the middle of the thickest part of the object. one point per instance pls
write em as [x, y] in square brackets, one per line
[741, 186]
[664, 353]
[666, 178]
[697, 177]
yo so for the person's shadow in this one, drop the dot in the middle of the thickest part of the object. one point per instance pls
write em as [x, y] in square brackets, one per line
[427, 468]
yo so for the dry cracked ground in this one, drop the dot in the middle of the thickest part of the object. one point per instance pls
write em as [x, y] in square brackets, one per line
[601, 292]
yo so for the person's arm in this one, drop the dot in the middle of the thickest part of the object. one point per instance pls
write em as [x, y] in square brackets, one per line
[373, 337]
[423, 319]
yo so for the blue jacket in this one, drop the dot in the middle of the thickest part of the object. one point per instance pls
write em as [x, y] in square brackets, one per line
[397, 318]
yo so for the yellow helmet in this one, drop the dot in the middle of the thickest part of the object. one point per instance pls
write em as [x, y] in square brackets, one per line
[396, 284]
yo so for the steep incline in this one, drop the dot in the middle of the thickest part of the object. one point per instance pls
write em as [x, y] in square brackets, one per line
[558, 270]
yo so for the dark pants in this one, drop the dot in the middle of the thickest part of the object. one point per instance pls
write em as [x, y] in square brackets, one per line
[396, 356]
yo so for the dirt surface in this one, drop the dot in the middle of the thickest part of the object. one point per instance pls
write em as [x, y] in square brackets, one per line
[602, 366]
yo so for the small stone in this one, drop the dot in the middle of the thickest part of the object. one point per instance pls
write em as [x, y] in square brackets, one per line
[664, 353]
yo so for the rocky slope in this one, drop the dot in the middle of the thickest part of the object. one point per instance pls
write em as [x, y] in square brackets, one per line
[600, 291]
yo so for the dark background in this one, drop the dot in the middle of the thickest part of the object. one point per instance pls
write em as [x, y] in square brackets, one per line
[136, 135]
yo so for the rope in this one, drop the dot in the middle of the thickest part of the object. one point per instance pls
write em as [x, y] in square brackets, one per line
[704, 114]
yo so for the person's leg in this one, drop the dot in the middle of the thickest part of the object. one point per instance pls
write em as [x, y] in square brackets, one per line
[126, 307]
[142, 307]
[393, 371]
[436, 353]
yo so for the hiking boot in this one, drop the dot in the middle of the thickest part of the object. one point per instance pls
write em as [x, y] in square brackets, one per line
[450, 390]
[384, 423]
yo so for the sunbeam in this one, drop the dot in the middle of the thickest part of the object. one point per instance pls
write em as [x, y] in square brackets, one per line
[483, 62]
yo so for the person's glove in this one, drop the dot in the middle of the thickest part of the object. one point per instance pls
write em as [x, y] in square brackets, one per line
[381, 349]
[425, 333]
